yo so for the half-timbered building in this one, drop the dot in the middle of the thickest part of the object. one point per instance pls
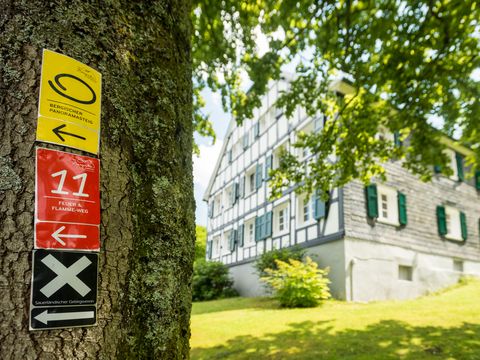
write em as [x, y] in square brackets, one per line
[398, 239]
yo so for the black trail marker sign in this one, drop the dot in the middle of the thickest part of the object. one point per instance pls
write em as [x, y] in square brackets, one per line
[62, 283]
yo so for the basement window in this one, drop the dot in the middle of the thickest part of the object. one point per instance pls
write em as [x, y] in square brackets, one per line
[405, 272]
[458, 265]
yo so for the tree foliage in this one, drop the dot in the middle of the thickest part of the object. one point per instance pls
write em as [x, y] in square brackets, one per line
[200, 242]
[211, 281]
[410, 62]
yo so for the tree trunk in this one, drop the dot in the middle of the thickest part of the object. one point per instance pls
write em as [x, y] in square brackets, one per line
[142, 50]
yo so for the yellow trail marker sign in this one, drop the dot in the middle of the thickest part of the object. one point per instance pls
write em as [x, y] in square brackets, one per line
[70, 103]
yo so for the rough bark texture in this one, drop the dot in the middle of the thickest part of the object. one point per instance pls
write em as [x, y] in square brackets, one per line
[142, 50]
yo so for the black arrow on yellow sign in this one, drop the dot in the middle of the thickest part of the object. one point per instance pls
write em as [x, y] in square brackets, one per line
[58, 130]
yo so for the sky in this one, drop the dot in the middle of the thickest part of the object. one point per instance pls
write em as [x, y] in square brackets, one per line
[203, 165]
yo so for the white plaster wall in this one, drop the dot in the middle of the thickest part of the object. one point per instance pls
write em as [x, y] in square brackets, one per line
[332, 255]
[248, 284]
[372, 271]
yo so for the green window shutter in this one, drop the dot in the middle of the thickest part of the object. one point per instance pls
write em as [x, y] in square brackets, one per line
[437, 169]
[396, 139]
[241, 231]
[261, 236]
[268, 224]
[258, 228]
[459, 159]
[402, 208]
[268, 166]
[258, 176]
[241, 188]
[477, 179]
[372, 203]
[232, 239]
[232, 194]
[319, 206]
[235, 193]
[463, 225]
[441, 220]
[209, 249]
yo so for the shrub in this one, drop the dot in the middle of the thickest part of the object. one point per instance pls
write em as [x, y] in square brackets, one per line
[211, 281]
[298, 284]
[268, 259]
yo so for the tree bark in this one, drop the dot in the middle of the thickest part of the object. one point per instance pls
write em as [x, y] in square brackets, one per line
[142, 50]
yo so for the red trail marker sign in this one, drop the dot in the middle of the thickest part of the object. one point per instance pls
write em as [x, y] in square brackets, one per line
[67, 201]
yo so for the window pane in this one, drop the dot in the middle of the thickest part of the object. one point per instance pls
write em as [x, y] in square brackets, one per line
[384, 205]
[306, 213]
[281, 220]
[252, 182]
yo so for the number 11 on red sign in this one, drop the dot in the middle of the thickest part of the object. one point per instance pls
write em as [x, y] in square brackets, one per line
[67, 197]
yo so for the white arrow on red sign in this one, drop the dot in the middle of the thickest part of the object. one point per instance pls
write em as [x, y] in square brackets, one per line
[52, 235]
[58, 236]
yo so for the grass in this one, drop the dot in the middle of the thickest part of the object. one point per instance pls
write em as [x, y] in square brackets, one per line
[445, 325]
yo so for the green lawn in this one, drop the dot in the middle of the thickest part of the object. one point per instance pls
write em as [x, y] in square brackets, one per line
[441, 326]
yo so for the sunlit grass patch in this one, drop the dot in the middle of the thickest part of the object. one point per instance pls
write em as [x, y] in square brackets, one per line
[440, 326]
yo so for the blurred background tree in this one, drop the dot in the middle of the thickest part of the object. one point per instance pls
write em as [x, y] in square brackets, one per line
[412, 64]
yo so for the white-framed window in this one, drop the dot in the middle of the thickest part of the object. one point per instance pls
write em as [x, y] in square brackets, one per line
[225, 246]
[217, 207]
[384, 207]
[280, 219]
[452, 219]
[229, 195]
[250, 181]
[277, 155]
[216, 244]
[387, 205]
[249, 232]
[304, 210]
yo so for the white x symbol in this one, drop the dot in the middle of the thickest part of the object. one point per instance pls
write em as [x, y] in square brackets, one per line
[65, 275]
